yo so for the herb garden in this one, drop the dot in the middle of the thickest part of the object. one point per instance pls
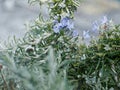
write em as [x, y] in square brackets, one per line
[52, 55]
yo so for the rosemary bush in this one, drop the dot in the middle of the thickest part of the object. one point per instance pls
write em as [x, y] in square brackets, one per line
[98, 67]
[51, 57]
[29, 63]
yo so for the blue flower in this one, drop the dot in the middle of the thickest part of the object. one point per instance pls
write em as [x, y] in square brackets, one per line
[104, 20]
[95, 26]
[75, 33]
[57, 27]
[70, 25]
[86, 35]
[64, 21]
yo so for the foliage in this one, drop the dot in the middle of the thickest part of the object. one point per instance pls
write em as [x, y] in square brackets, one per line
[41, 69]
[59, 7]
[38, 77]
[58, 33]
[51, 57]
[98, 68]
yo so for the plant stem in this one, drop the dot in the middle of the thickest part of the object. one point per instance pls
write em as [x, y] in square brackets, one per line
[5, 83]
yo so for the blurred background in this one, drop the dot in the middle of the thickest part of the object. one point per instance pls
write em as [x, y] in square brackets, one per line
[14, 14]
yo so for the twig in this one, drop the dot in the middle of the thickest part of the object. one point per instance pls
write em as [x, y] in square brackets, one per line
[5, 83]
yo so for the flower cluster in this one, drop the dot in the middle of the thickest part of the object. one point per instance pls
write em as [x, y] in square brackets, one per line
[65, 24]
[103, 23]
[97, 27]
[53, 56]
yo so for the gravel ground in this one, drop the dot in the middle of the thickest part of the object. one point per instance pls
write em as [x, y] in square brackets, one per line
[13, 16]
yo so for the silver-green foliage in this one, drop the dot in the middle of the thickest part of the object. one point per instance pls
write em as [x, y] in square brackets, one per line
[29, 63]
[37, 77]
[99, 65]
[49, 60]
